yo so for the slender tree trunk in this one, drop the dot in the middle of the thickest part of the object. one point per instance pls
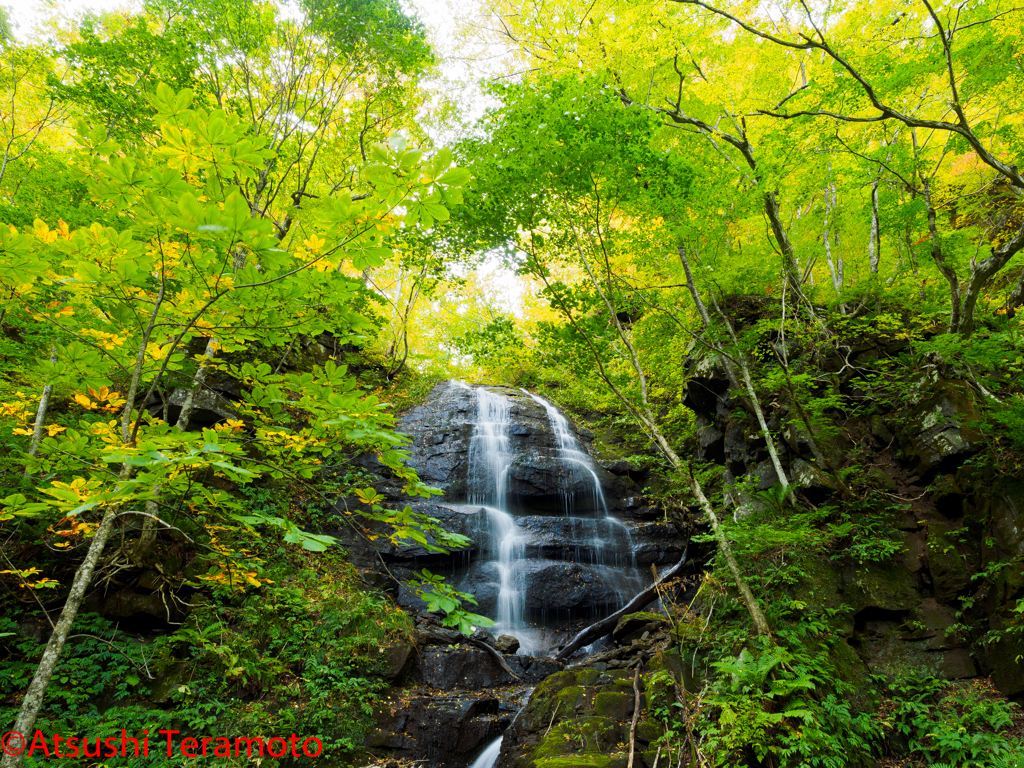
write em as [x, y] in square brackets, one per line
[150, 527]
[835, 267]
[981, 273]
[789, 262]
[755, 404]
[875, 243]
[645, 417]
[752, 399]
[692, 285]
[746, 595]
[940, 259]
[33, 699]
[41, 411]
[198, 382]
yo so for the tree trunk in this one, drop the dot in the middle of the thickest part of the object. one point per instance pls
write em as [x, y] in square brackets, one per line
[150, 528]
[982, 273]
[692, 285]
[875, 243]
[940, 259]
[789, 262]
[41, 411]
[837, 284]
[755, 404]
[33, 699]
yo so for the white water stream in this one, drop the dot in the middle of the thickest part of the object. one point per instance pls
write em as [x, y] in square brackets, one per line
[600, 540]
[489, 756]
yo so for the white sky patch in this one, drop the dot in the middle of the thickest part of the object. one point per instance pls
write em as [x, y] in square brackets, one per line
[27, 15]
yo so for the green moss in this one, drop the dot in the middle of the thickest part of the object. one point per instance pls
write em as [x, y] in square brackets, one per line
[551, 699]
[613, 704]
[889, 586]
[580, 737]
[587, 676]
[648, 731]
[949, 573]
[584, 761]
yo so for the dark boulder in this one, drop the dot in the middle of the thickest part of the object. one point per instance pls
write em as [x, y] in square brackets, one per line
[939, 432]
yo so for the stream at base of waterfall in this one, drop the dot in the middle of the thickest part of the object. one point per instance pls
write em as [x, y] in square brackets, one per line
[594, 538]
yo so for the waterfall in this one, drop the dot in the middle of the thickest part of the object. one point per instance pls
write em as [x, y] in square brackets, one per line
[596, 539]
[577, 462]
[487, 484]
[580, 466]
[489, 757]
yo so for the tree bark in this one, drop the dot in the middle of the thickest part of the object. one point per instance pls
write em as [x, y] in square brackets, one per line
[41, 411]
[755, 404]
[789, 262]
[33, 699]
[981, 274]
[636, 716]
[940, 259]
[835, 268]
[875, 243]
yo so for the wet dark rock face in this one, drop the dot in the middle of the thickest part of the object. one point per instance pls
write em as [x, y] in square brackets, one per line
[457, 698]
[553, 588]
[441, 428]
[462, 698]
[564, 582]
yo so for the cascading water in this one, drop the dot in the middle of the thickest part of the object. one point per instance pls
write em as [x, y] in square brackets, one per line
[610, 542]
[489, 756]
[487, 483]
[588, 532]
[577, 463]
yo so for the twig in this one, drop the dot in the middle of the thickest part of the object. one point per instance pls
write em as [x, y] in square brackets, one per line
[636, 714]
[552, 720]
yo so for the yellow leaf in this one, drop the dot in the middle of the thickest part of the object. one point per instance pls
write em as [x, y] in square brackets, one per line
[43, 232]
[314, 243]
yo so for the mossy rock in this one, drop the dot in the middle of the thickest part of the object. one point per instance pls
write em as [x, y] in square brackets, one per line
[584, 761]
[581, 736]
[658, 692]
[688, 671]
[636, 624]
[613, 704]
[940, 431]
[587, 676]
[820, 588]
[648, 731]
[1007, 673]
[557, 697]
[888, 586]
[878, 478]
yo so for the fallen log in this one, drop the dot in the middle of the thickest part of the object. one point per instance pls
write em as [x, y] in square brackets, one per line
[599, 629]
